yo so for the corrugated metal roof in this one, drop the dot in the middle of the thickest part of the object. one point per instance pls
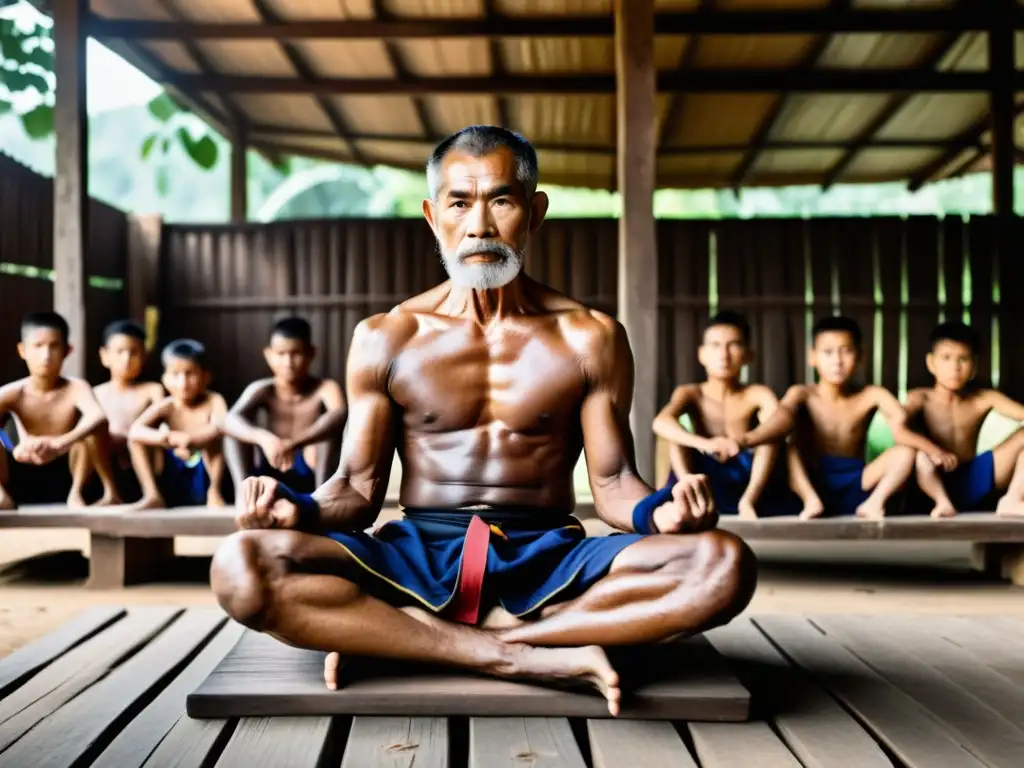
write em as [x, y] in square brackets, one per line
[756, 136]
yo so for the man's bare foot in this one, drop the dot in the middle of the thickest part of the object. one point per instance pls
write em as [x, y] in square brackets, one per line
[6, 502]
[332, 664]
[214, 499]
[560, 666]
[746, 510]
[871, 510]
[148, 502]
[1008, 507]
[812, 508]
[944, 509]
[75, 499]
[499, 618]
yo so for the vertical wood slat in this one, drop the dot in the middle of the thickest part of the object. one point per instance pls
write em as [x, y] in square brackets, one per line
[889, 246]
[855, 246]
[923, 249]
[1011, 277]
[981, 255]
[793, 254]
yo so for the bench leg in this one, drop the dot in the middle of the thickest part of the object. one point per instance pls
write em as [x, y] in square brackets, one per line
[115, 562]
[988, 558]
[1013, 565]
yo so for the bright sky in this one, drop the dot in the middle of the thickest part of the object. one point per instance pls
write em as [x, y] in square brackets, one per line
[113, 83]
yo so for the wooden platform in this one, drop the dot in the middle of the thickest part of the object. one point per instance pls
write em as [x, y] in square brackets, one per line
[264, 677]
[109, 689]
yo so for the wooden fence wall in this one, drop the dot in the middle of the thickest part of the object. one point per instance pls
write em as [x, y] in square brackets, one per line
[898, 277]
[26, 263]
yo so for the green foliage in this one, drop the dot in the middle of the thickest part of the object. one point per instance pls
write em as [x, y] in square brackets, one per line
[176, 127]
[26, 75]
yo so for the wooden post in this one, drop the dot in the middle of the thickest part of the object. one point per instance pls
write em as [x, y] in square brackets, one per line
[638, 254]
[71, 181]
[1002, 67]
[144, 233]
[239, 177]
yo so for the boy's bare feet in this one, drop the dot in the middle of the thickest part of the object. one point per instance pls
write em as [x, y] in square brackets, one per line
[214, 499]
[149, 502]
[871, 510]
[1008, 507]
[746, 510]
[110, 499]
[75, 500]
[6, 502]
[813, 507]
[944, 509]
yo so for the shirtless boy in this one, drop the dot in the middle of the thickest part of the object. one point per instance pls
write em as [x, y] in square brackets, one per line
[956, 476]
[831, 419]
[187, 426]
[61, 426]
[722, 409]
[306, 415]
[489, 385]
[124, 398]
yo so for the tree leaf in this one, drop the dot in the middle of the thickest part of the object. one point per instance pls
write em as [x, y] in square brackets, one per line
[163, 181]
[165, 145]
[163, 107]
[147, 145]
[5, 107]
[203, 152]
[38, 123]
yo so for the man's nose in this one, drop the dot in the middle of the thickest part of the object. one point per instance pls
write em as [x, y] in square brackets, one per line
[481, 222]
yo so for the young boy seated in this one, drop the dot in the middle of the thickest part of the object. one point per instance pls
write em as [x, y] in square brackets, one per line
[61, 426]
[722, 410]
[831, 419]
[305, 415]
[956, 476]
[187, 426]
[124, 398]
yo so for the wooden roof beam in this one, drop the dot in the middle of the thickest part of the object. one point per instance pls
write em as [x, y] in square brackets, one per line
[962, 142]
[698, 21]
[696, 81]
[771, 117]
[674, 115]
[882, 119]
[397, 62]
[306, 75]
[498, 68]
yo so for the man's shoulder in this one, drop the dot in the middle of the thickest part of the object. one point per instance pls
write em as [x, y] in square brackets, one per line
[12, 389]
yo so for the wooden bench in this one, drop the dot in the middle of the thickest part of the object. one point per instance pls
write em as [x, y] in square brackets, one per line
[132, 547]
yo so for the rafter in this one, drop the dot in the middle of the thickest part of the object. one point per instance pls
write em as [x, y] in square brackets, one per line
[397, 62]
[783, 21]
[306, 75]
[965, 140]
[896, 103]
[767, 124]
[697, 81]
[497, 67]
[675, 108]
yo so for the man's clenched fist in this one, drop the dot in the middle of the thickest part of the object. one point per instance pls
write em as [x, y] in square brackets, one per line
[265, 503]
[692, 507]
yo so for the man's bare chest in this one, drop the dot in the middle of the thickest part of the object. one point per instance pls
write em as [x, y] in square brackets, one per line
[526, 383]
[46, 414]
[849, 417]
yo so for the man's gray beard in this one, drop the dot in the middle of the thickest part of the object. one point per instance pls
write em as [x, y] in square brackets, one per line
[483, 276]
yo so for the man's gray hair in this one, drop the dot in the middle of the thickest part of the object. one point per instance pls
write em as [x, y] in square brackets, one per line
[480, 140]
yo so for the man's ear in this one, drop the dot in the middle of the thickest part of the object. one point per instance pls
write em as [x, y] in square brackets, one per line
[538, 210]
[428, 213]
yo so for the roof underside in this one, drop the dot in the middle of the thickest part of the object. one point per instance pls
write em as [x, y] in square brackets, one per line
[732, 109]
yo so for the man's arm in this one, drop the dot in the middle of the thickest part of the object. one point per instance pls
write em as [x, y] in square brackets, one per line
[608, 443]
[352, 498]
[91, 417]
[778, 420]
[666, 424]
[330, 423]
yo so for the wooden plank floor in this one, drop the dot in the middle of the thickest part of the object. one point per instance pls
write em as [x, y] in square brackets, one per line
[110, 689]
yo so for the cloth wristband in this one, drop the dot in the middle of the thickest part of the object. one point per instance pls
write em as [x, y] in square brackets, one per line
[309, 508]
[643, 512]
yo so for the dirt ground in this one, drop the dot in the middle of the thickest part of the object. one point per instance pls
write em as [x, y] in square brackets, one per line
[42, 573]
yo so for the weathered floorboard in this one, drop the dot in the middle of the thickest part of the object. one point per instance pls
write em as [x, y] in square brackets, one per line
[894, 717]
[652, 743]
[75, 731]
[140, 737]
[397, 742]
[811, 722]
[511, 742]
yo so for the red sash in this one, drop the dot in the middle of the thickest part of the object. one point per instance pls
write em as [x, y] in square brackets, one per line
[465, 606]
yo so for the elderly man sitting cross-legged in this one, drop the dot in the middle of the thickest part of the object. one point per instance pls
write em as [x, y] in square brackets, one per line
[489, 385]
